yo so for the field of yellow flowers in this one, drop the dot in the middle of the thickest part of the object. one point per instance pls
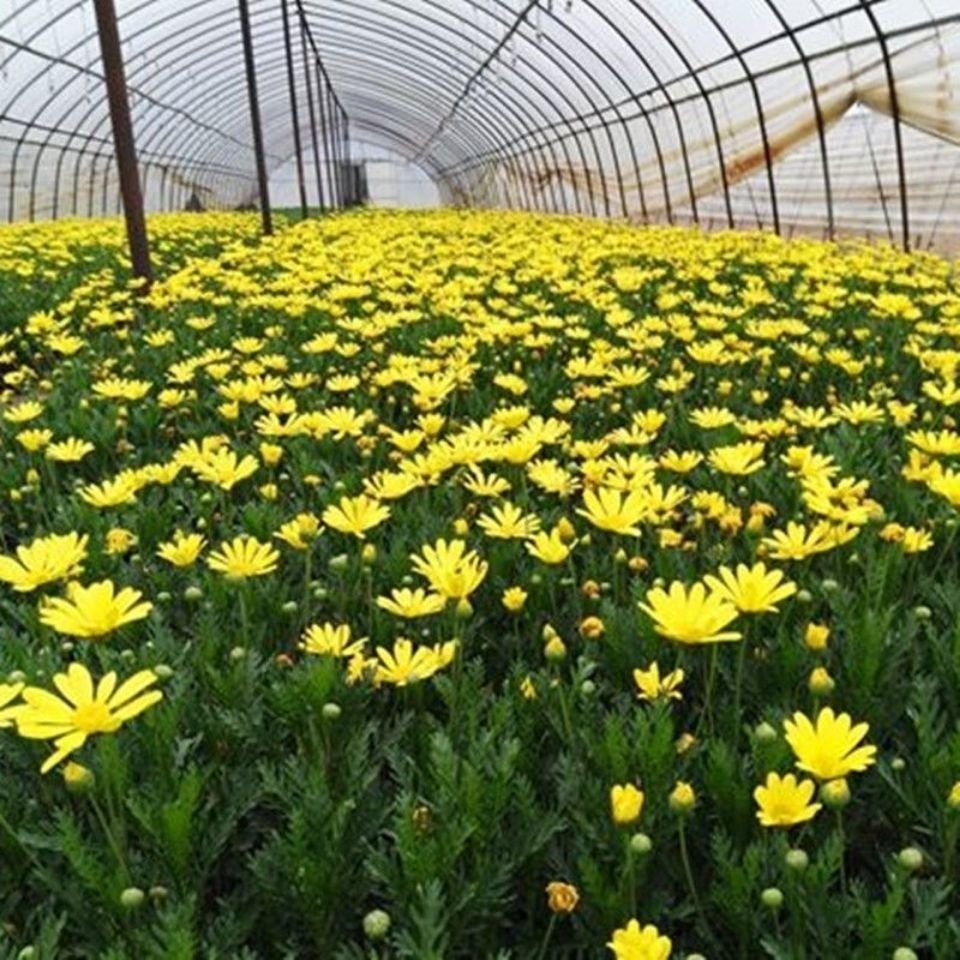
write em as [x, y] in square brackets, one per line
[482, 586]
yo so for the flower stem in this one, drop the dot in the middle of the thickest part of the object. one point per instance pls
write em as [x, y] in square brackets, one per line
[707, 713]
[843, 853]
[631, 877]
[565, 713]
[244, 618]
[737, 690]
[111, 837]
[542, 952]
[305, 612]
[691, 883]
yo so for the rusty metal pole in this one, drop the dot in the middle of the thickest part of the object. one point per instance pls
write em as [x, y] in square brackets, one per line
[294, 113]
[255, 117]
[123, 144]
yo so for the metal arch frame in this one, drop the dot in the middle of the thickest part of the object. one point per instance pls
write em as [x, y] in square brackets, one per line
[314, 142]
[758, 105]
[514, 107]
[517, 104]
[58, 128]
[817, 111]
[807, 57]
[683, 59]
[294, 109]
[476, 142]
[612, 149]
[150, 49]
[63, 60]
[703, 96]
[662, 87]
[564, 118]
[147, 134]
[897, 131]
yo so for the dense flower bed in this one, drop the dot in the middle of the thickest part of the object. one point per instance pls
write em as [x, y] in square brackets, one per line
[477, 585]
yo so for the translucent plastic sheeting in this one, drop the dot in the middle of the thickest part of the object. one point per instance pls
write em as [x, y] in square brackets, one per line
[830, 117]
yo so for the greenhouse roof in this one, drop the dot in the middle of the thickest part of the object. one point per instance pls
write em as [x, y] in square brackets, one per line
[822, 116]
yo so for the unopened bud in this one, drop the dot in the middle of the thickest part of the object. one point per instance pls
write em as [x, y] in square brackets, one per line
[797, 859]
[376, 924]
[835, 794]
[331, 711]
[910, 858]
[772, 898]
[132, 898]
[765, 732]
[641, 844]
[78, 779]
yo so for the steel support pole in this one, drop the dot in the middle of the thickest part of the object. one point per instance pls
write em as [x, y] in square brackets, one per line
[123, 145]
[322, 111]
[294, 113]
[261, 160]
[335, 146]
[313, 121]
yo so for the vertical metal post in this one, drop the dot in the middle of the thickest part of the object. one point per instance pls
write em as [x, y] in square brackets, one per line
[294, 114]
[255, 117]
[325, 137]
[335, 145]
[123, 144]
[352, 198]
[313, 119]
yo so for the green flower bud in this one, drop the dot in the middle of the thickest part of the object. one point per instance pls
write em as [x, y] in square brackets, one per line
[27, 953]
[238, 653]
[158, 893]
[835, 794]
[192, 594]
[588, 688]
[132, 898]
[904, 953]
[331, 711]
[641, 844]
[376, 924]
[922, 613]
[772, 898]
[765, 733]
[340, 562]
[797, 859]
[320, 593]
[804, 596]
[910, 858]
[829, 585]
[16, 676]
[898, 764]
[290, 608]
[164, 596]
[163, 671]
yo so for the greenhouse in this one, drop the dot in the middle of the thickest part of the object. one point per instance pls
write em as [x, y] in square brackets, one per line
[480, 479]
